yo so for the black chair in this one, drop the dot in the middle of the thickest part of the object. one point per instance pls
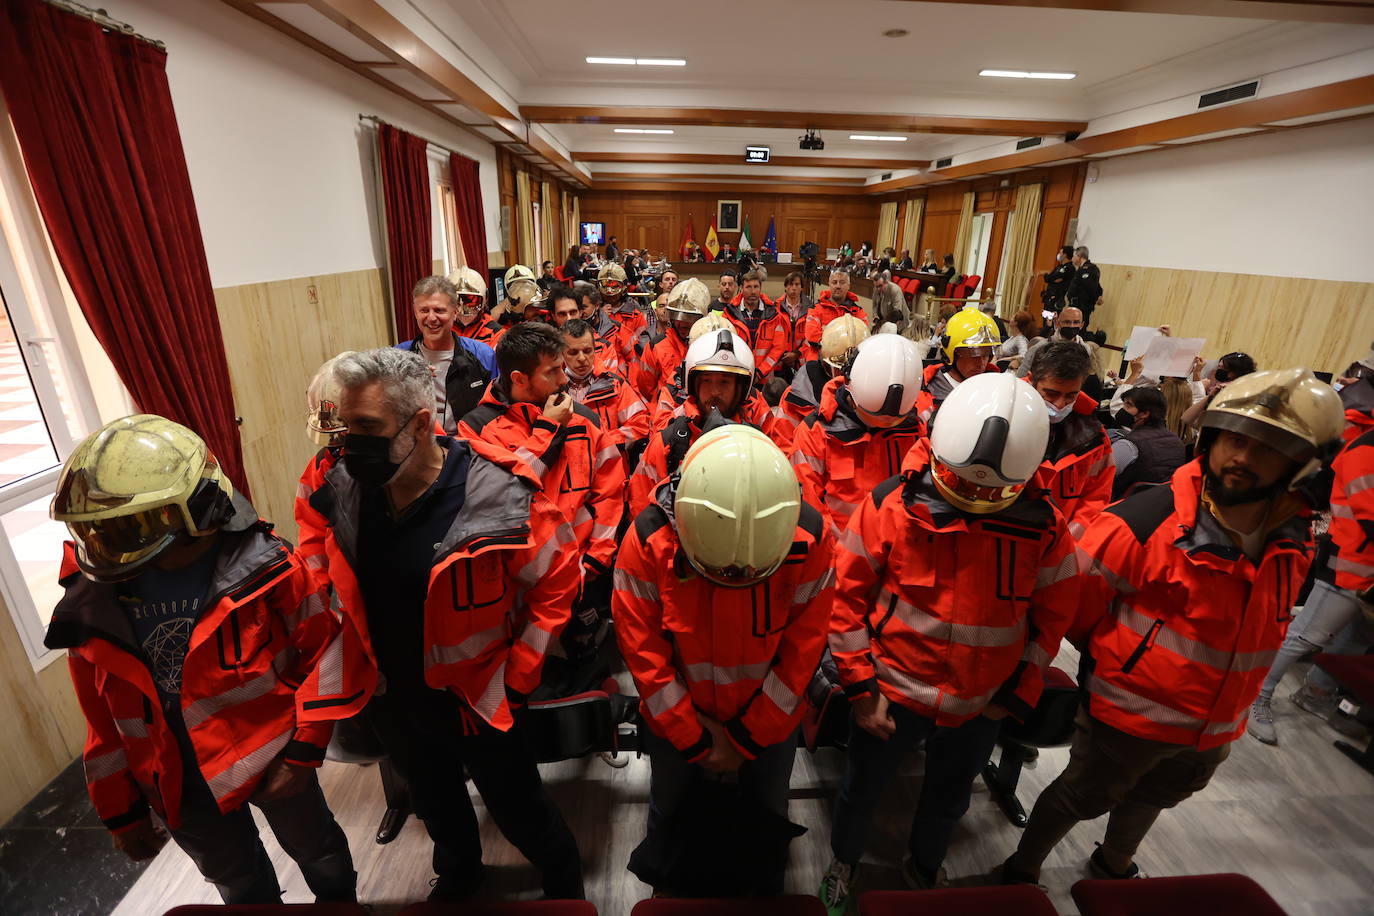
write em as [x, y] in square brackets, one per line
[1050, 725]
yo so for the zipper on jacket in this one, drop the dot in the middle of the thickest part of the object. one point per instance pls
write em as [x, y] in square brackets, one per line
[1145, 642]
[877, 631]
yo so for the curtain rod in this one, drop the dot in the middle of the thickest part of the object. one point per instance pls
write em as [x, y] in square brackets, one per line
[103, 19]
[434, 143]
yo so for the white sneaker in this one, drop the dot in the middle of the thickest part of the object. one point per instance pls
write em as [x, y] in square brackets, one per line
[1261, 725]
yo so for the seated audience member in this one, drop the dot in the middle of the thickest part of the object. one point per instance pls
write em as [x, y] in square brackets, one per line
[865, 250]
[846, 250]
[865, 424]
[727, 288]
[948, 272]
[989, 307]
[890, 311]
[1229, 368]
[1078, 469]
[932, 648]
[1176, 661]
[1084, 291]
[722, 682]
[971, 341]
[885, 262]
[905, 262]
[572, 267]
[1013, 349]
[1338, 616]
[839, 342]
[1068, 326]
[547, 280]
[563, 306]
[166, 567]
[1358, 370]
[1057, 280]
[929, 263]
[1147, 452]
[462, 367]
[834, 302]
[621, 412]
[1178, 398]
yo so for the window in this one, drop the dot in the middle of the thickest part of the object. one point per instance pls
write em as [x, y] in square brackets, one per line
[453, 242]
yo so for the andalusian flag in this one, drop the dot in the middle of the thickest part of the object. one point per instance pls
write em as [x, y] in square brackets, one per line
[744, 236]
[712, 243]
[688, 238]
[770, 241]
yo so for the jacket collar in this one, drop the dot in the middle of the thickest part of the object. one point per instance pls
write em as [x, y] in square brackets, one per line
[850, 298]
[841, 421]
[1205, 539]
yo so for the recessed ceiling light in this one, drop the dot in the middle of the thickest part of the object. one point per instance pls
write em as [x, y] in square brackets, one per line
[875, 137]
[642, 130]
[1028, 74]
[641, 61]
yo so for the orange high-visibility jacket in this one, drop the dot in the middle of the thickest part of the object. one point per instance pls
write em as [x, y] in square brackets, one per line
[1079, 470]
[264, 676]
[659, 365]
[487, 332]
[938, 383]
[839, 460]
[770, 340]
[822, 313]
[803, 396]
[630, 323]
[1183, 625]
[622, 414]
[741, 656]
[673, 432]
[946, 612]
[501, 585]
[581, 468]
[1352, 516]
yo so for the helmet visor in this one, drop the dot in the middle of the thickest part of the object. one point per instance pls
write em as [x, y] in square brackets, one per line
[612, 287]
[111, 549]
[969, 496]
[469, 306]
[683, 321]
[735, 576]
[324, 425]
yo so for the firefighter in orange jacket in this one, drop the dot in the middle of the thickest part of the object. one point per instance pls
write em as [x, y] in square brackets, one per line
[865, 426]
[473, 320]
[768, 331]
[719, 373]
[205, 660]
[954, 584]
[971, 339]
[834, 302]
[459, 573]
[1078, 469]
[722, 596]
[621, 413]
[803, 396]
[687, 303]
[620, 308]
[1188, 593]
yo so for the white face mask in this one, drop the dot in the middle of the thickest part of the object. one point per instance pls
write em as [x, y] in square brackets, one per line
[1058, 414]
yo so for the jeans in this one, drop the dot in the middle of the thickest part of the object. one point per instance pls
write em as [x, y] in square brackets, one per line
[954, 758]
[229, 853]
[1328, 614]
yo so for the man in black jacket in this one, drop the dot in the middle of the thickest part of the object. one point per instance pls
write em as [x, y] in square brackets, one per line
[1085, 288]
[1057, 280]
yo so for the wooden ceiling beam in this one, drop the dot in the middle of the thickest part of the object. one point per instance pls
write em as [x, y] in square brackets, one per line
[724, 176]
[703, 188]
[729, 159]
[798, 120]
[1355, 12]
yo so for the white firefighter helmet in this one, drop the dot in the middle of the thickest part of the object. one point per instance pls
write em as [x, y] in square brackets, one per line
[132, 488]
[468, 282]
[687, 302]
[722, 351]
[736, 506]
[885, 379]
[712, 321]
[839, 337]
[517, 272]
[987, 441]
[1289, 410]
[322, 422]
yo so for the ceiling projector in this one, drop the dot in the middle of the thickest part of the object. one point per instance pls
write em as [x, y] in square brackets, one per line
[811, 140]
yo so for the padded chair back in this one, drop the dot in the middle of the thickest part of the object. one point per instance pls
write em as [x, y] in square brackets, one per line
[560, 275]
[268, 909]
[789, 905]
[1190, 895]
[503, 908]
[1018, 899]
[569, 727]
[1050, 724]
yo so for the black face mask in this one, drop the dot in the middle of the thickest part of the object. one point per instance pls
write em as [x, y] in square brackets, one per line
[1124, 419]
[368, 458]
[1070, 333]
[1222, 375]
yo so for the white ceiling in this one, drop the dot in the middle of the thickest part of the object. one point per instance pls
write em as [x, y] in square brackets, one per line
[732, 140]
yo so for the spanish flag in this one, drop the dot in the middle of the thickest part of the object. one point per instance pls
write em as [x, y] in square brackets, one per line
[689, 240]
[712, 243]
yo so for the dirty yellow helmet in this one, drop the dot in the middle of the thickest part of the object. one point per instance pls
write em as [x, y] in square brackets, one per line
[736, 506]
[322, 422]
[687, 302]
[840, 338]
[130, 490]
[611, 280]
[517, 272]
[523, 292]
[715, 321]
[970, 328]
[1289, 410]
[468, 282]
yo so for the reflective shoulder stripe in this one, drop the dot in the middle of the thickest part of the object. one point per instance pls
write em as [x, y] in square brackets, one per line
[665, 698]
[777, 691]
[538, 567]
[1096, 567]
[105, 765]
[1341, 510]
[636, 407]
[1358, 484]
[609, 453]
[1050, 575]
[471, 647]
[851, 540]
[533, 460]
[799, 458]
[602, 532]
[206, 707]
[624, 582]
[807, 591]
[309, 607]
[248, 767]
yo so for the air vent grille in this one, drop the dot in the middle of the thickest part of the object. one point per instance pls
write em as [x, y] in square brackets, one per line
[944, 163]
[1029, 142]
[886, 176]
[1232, 94]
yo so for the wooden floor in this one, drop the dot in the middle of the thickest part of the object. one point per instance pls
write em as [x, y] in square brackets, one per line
[1298, 818]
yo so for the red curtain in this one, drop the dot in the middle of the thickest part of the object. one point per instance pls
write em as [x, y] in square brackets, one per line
[467, 196]
[409, 233]
[94, 117]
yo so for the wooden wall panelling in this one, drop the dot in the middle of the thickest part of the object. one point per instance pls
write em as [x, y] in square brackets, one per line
[1280, 321]
[311, 319]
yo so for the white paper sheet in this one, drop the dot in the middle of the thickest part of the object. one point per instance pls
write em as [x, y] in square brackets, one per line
[1141, 338]
[1172, 356]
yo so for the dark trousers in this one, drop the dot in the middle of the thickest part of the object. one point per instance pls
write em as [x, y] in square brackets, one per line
[423, 732]
[954, 758]
[229, 853]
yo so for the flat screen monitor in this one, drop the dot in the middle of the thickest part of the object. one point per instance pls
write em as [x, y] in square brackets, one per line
[593, 233]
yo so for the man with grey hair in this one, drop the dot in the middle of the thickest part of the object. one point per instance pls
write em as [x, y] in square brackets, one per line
[461, 367]
[457, 573]
[1085, 287]
[889, 304]
[605, 331]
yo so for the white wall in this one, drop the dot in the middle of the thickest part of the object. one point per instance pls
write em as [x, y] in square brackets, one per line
[1298, 203]
[279, 164]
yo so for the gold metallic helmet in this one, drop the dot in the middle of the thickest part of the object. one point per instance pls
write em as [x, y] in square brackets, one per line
[523, 292]
[131, 489]
[611, 280]
[687, 302]
[517, 272]
[736, 506]
[322, 422]
[970, 328]
[1289, 410]
[715, 321]
[840, 338]
[472, 293]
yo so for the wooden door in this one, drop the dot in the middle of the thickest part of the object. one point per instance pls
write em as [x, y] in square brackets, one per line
[796, 231]
[649, 232]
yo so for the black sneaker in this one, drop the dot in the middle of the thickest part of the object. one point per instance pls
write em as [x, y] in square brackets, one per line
[1100, 869]
[1013, 875]
[455, 888]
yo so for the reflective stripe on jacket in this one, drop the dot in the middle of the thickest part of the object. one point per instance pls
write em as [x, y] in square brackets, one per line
[1352, 516]
[946, 612]
[501, 584]
[1079, 471]
[770, 340]
[659, 365]
[741, 656]
[264, 676]
[1183, 625]
[621, 412]
[822, 313]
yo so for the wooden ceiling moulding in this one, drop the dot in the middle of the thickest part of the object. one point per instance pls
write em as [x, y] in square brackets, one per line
[708, 189]
[730, 159]
[725, 176]
[1348, 11]
[799, 120]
